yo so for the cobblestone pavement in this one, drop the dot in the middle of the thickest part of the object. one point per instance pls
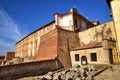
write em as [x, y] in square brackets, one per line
[109, 74]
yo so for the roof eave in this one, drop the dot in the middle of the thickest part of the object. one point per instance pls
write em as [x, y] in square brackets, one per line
[85, 48]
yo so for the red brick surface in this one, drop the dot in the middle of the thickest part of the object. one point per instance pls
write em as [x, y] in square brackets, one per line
[57, 44]
[9, 55]
[2, 59]
[48, 46]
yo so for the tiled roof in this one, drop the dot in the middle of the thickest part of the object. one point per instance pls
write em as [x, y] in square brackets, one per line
[88, 46]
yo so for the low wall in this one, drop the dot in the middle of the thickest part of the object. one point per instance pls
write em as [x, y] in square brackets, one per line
[12, 72]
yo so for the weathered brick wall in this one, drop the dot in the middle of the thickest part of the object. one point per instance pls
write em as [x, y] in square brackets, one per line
[2, 59]
[57, 44]
[27, 47]
[9, 55]
[48, 46]
[66, 41]
[11, 72]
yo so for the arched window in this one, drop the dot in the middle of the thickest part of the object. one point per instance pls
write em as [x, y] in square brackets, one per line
[84, 60]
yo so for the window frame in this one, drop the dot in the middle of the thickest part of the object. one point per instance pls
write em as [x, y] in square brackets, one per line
[93, 56]
[77, 58]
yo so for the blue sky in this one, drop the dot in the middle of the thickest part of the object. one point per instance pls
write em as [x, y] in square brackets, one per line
[21, 17]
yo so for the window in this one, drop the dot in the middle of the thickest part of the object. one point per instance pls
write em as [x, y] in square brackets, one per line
[76, 57]
[93, 57]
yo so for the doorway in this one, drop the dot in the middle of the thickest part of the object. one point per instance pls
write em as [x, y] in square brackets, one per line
[110, 56]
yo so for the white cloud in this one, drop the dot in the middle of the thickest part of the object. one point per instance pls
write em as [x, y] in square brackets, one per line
[9, 32]
[8, 28]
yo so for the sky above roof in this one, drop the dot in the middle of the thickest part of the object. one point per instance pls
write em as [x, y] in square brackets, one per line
[18, 18]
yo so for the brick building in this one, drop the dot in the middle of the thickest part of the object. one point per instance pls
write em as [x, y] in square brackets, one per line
[71, 39]
[9, 56]
[2, 59]
[7, 59]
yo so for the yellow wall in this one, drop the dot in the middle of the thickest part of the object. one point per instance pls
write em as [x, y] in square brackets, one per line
[97, 33]
[115, 5]
[102, 57]
[114, 54]
[104, 33]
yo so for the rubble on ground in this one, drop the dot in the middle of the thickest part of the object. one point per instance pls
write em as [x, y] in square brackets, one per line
[76, 73]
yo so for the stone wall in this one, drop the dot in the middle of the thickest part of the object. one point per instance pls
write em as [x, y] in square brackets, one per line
[115, 7]
[12, 72]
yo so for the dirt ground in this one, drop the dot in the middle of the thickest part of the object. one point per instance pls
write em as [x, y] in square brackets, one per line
[109, 74]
